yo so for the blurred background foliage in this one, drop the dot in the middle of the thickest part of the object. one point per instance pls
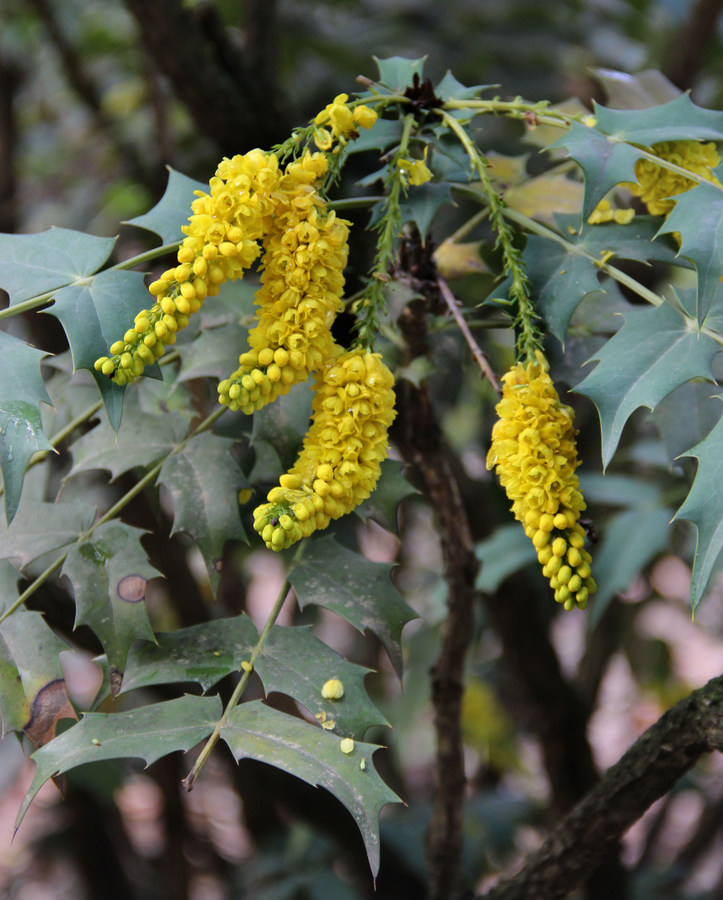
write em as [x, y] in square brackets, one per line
[96, 98]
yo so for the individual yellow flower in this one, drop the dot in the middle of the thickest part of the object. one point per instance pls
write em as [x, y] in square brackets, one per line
[416, 170]
[656, 185]
[533, 448]
[222, 240]
[339, 463]
[338, 122]
[304, 256]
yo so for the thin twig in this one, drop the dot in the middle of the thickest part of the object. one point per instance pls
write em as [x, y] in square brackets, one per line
[479, 356]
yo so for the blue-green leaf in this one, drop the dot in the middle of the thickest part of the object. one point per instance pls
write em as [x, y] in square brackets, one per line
[506, 551]
[652, 354]
[256, 731]
[172, 210]
[354, 587]
[677, 120]
[704, 508]
[33, 264]
[147, 733]
[397, 72]
[40, 528]
[204, 481]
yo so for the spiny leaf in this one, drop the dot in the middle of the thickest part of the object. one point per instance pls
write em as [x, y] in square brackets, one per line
[204, 482]
[698, 217]
[650, 356]
[256, 731]
[214, 353]
[39, 528]
[33, 264]
[203, 653]
[21, 435]
[605, 162]
[296, 663]
[422, 202]
[172, 210]
[678, 120]
[451, 89]
[109, 572]
[687, 415]
[397, 72]
[148, 733]
[145, 439]
[391, 489]
[284, 422]
[704, 508]
[359, 590]
[633, 538]
[32, 685]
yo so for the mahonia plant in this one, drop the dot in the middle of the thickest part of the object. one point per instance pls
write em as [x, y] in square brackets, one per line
[646, 174]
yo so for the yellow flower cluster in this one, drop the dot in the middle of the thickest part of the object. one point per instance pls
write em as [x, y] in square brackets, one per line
[339, 463]
[338, 122]
[656, 184]
[533, 448]
[604, 212]
[222, 240]
[305, 252]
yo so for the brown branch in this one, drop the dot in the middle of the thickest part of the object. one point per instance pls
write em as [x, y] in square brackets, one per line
[10, 78]
[420, 440]
[208, 75]
[649, 769]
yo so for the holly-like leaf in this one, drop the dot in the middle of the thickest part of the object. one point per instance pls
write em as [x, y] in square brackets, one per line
[704, 508]
[698, 217]
[9, 577]
[384, 133]
[391, 489]
[502, 554]
[296, 663]
[34, 264]
[21, 435]
[678, 120]
[203, 654]
[451, 89]
[354, 587]
[204, 481]
[172, 210]
[147, 733]
[109, 572]
[633, 538]
[652, 354]
[687, 415]
[283, 423]
[422, 202]
[605, 161]
[397, 72]
[39, 528]
[32, 684]
[214, 353]
[145, 438]
[256, 731]
[639, 91]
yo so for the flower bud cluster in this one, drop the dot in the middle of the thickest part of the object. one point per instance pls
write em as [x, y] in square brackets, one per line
[338, 122]
[222, 239]
[533, 448]
[305, 253]
[656, 185]
[339, 464]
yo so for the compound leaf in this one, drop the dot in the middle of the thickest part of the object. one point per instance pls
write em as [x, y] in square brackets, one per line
[32, 685]
[148, 733]
[704, 508]
[354, 587]
[39, 528]
[33, 264]
[204, 481]
[653, 353]
[256, 731]
[172, 210]
[109, 572]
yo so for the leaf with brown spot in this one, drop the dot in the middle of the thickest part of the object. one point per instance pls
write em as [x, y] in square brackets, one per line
[33, 696]
[109, 573]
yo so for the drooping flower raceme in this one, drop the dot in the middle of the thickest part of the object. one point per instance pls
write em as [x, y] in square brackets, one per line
[339, 464]
[222, 240]
[533, 448]
[656, 185]
[305, 252]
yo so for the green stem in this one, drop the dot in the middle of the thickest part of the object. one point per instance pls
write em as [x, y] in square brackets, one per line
[526, 321]
[111, 513]
[353, 202]
[516, 109]
[189, 781]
